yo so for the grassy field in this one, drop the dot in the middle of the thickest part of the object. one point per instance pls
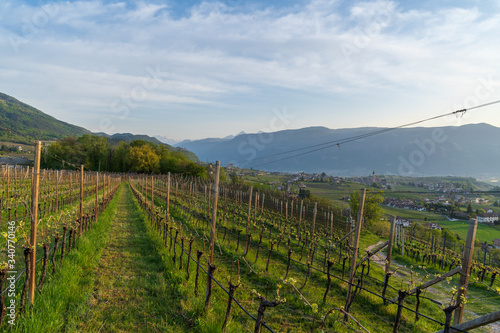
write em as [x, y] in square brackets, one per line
[484, 233]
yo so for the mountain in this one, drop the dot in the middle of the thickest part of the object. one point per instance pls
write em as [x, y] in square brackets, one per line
[166, 140]
[208, 141]
[22, 123]
[469, 150]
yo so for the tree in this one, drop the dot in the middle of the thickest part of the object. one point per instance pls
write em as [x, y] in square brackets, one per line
[496, 204]
[372, 212]
[96, 148]
[304, 193]
[469, 209]
[143, 159]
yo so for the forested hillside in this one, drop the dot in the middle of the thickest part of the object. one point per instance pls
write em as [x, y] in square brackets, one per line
[22, 123]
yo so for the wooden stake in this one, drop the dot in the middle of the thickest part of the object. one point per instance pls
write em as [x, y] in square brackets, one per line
[96, 195]
[466, 265]
[34, 219]
[168, 198]
[355, 251]
[315, 212]
[214, 212]
[248, 222]
[81, 200]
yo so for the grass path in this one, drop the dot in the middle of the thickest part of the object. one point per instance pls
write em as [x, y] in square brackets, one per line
[131, 292]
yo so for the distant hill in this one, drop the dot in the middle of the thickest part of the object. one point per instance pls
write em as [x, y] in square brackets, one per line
[469, 150]
[22, 123]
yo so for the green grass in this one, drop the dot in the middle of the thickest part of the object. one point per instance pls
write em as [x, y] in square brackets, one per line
[413, 214]
[484, 233]
[133, 292]
[64, 295]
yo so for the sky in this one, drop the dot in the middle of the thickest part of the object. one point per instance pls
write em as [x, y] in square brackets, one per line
[191, 69]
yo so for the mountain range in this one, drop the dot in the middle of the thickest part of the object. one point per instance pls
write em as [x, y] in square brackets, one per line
[22, 123]
[469, 150]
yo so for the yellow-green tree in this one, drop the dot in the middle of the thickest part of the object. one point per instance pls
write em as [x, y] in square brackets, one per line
[143, 159]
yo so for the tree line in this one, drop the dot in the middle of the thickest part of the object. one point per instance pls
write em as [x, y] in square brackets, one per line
[96, 153]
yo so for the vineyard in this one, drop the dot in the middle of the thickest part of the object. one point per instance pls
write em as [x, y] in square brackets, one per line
[65, 207]
[237, 260]
[298, 263]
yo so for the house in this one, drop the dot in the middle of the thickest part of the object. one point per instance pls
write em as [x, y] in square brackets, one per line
[496, 243]
[432, 225]
[487, 218]
[403, 222]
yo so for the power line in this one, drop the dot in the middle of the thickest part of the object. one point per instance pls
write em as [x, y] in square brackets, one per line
[337, 143]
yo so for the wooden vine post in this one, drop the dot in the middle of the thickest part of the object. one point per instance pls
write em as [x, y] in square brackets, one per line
[311, 245]
[466, 267]
[247, 236]
[96, 196]
[355, 253]
[389, 256]
[34, 219]
[211, 266]
[168, 199]
[81, 200]
[300, 221]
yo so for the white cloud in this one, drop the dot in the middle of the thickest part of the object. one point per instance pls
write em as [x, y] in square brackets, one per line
[88, 53]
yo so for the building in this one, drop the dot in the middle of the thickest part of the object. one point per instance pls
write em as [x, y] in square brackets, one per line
[14, 160]
[432, 225]
[487, 218]
[403, 222]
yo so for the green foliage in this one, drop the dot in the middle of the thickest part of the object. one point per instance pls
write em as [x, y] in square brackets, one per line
[96, 153]
[22, 123]
[372, 212]
[469, 209]
[304, 193]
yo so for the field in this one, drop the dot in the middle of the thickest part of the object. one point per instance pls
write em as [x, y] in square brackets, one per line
[485, 232]
[337, 192]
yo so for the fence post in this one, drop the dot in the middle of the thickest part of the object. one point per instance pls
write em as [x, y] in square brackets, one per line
[466, 265]
[96, 195]
[81, 200]
[168, 198]
[355, 253]
[389, 256]
[211, 266]
[34, 219]
[315, 212]
[247, 235]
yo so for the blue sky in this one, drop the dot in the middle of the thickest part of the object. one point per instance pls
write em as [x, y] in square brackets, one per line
[194, 69]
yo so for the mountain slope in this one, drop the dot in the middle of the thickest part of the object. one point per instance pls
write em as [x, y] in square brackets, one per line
[471, 150]
[22, 123]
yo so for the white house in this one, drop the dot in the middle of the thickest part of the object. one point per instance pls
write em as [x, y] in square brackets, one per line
[487, 218]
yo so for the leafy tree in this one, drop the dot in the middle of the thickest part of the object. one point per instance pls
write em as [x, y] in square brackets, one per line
[63, 154]
[304, 193]
[143, 159]
[96, 149]
[469, 209]
[372, 212]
